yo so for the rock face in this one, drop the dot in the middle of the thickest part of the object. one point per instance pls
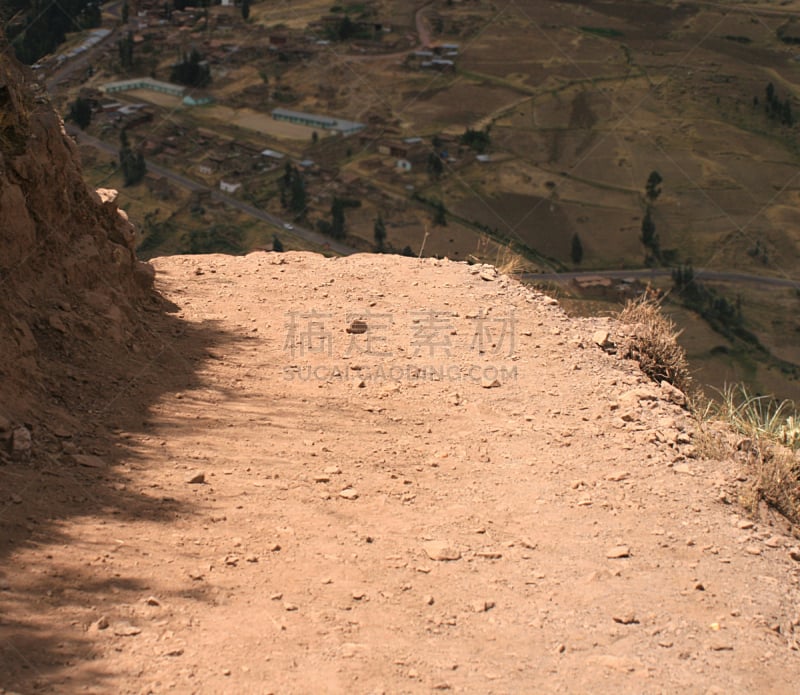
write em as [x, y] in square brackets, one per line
[68, 271]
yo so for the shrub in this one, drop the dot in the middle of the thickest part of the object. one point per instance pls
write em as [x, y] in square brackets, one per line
[653, 342]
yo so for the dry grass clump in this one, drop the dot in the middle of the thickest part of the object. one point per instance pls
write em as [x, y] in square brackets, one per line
[770, 449]
[761, 417]
[508, 263]
[777, 481]
[653, 342]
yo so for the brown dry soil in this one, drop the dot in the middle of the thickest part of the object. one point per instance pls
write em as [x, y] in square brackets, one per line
[588, 549]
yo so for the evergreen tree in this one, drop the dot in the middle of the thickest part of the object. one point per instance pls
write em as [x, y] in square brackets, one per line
[124, 12]
[786, 113]
[648, 230]
[297, 200]
[192, 71]
[379, 232]
[576, 252]
[277, 244]
[435, 166]
[125, 47]
[439, 214]
[80, 111]
[133, 165]
[337, 219]
[652, 187]
[245, 9]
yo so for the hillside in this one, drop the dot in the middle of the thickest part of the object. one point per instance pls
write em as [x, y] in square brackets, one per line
[286, 473]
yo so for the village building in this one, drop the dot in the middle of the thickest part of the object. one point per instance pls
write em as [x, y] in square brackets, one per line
[312, 120]
[229, 186]
[148, 83]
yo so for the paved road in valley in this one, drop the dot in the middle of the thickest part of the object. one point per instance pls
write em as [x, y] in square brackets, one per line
[656, 273]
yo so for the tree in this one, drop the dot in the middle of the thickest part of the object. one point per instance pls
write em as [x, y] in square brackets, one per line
[297, 200]
[245, 9]
[133, 165]
[379, 232]
[337, 219]
[477, 140]
[648, 229]
[125, 47]
[346, 29]
[192, 71]
[576, 252]
[277, 244]
[653, 185]
[435, 166]
[80, 111]
[123, 15]
[439, 214]
[314, 138]
[786, 113]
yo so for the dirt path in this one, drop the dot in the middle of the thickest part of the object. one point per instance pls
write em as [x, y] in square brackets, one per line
[423, 30]
[590, 552]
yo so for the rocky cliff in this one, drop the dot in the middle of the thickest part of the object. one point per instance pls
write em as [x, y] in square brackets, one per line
[70, 284]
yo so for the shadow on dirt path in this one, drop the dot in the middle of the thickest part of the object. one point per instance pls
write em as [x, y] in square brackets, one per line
[88, 479]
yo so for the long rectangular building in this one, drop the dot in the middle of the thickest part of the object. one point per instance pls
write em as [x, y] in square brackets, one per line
[312, 120]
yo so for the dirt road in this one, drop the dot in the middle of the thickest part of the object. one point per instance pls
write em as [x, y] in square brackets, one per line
[463, 493]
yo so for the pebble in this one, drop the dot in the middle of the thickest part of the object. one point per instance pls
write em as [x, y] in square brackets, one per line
[428, 600]
[490, 383]
[441, 551]
[753, 550]
[21, 442]
[482, 606]
[600, 338]
[774, 542]
[88, 461]
[618, 551]
[196, 479]
[126, 630]
[626, 619]
[349, 494]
